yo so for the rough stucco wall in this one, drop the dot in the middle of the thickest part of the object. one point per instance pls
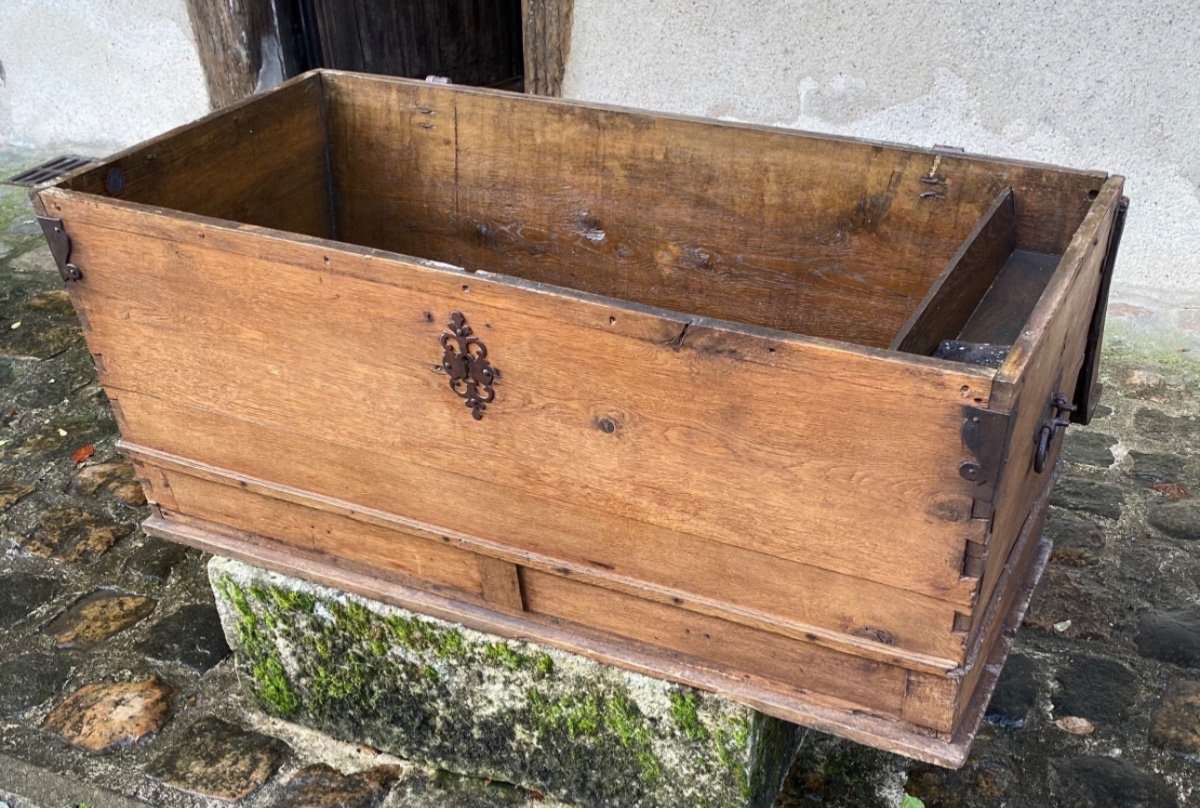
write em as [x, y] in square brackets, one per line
[96, 74]
[1097, 84]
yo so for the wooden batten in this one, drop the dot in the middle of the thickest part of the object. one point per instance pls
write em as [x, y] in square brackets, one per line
[546, 26]
[955, 293]
[501, 583]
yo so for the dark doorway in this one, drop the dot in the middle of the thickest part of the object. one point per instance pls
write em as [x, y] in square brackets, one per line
[468, 41]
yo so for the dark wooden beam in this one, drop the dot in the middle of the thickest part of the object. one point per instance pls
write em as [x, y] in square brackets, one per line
[230, 36]
[547, 25]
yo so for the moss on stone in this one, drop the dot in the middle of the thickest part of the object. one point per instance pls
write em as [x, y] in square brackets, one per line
[500, 654]
[293, 601]
[581, 717]
[355, 619]
[450, 644]
[732, 743]
[629, 726]
[271, 683]
[686, 715]
[272, 686]
[346, 681]
[417, 687]
[602, 719]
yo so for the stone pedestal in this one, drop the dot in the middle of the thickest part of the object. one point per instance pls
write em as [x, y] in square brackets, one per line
[479, 704]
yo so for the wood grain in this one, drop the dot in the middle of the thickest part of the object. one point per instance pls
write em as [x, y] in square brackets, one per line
[826, 677]
[955, 294]
[260, 162]
[1004, 310]
[795, 600]
[440, 563]
[229, 40]
[734, 484]
[821, 237]
[547, 37]
[501, 583]
[1045, 360]
[678, 455]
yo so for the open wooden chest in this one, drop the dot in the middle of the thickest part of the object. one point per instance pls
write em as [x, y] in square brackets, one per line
[771, 414]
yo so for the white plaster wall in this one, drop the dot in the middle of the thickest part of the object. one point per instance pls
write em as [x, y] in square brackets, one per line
[96, 74]
[1098, 84]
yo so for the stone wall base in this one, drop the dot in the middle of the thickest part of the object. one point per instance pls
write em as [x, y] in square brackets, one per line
[483, 705]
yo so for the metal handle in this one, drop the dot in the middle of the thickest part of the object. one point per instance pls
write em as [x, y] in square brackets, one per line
[1050, 429]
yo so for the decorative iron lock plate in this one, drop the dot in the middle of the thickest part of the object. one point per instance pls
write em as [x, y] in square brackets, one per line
[464, 358]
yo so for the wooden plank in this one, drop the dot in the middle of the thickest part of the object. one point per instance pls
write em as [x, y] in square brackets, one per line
[260, 163]
[501, 583]
[1005, 308]
[547, 36]
[1088, 387]
[1045, 360]
[813, 236]
[824, 675]
[770, 594]
[1008, 595]
[956, 293]
[230, 37]
[811, 246]
[797, 706]
[658, 443]
[931, 701]
[440, 563]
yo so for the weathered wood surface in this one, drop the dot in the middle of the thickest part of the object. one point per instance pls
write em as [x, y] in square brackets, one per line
[954, 295]
[811, 235]
[719, 501]
[260, 162]
[547, 37]
[441, 564]
[1005, 308]
[671, 472]
[1045, 360]
[230, 37]
[769, 594]
[996, 625]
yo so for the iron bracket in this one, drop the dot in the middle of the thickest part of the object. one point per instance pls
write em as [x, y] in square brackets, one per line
[1088, 387]
[60, 247]
[985, 436]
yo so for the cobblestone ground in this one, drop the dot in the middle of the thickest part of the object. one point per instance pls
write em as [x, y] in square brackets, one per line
[116, 687]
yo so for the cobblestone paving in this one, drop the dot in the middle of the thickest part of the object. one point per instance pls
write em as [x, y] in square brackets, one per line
[114, 685]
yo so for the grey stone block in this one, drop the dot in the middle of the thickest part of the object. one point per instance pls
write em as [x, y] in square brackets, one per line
[480, 704]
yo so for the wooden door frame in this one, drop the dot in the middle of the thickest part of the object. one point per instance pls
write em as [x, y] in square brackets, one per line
[546, 25]
[230, 35]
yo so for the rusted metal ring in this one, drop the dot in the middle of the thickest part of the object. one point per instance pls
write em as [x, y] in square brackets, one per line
[1045, 437]
[1049, 430]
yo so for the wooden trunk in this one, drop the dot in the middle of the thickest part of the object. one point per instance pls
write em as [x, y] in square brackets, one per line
[742, 434]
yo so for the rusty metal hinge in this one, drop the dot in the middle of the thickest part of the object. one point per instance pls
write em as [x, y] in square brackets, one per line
[985, 436]
[60, 247]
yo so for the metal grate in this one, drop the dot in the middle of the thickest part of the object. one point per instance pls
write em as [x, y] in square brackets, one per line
[48, 170]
